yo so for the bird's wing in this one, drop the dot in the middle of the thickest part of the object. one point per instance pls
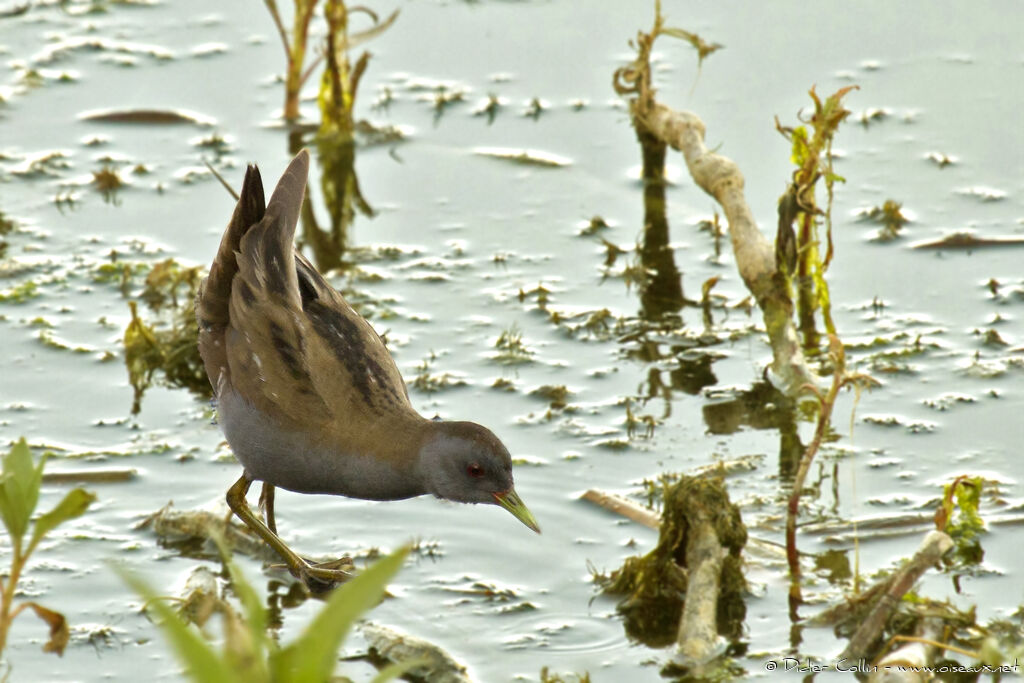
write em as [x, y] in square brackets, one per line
[265, 340]
[214, 295]
[351, 357]
[297, 351]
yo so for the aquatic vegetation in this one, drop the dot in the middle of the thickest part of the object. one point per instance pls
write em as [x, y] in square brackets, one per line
[19, 493]
[797, 252]
[489, 107]
[429, 382]
[658, 127]
[890, 216]
[249, 653]
[108, 181]
[7, 225]
[511, 348]
[337, 93]
[167, 345]
[340, 81]
[959, 516]
[841, 379]
[19, 294]
[546, 676]
[657, 585]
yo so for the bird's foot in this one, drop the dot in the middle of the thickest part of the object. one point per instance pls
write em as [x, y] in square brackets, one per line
[321, 577]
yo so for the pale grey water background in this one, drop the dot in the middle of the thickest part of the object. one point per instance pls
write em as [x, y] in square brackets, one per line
[949, 75]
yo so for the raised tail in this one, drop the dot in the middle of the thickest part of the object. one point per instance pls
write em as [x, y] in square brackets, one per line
[256, 258]
[215, 290]
[266, 258]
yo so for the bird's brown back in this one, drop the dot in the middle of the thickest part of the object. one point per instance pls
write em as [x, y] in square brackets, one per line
[279, 335]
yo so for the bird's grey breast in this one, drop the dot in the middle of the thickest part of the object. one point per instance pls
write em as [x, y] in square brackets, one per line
[296, 461]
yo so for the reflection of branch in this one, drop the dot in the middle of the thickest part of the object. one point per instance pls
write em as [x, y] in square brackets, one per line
[755, 257]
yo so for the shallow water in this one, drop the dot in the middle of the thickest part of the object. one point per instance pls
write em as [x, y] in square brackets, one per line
[471, 233]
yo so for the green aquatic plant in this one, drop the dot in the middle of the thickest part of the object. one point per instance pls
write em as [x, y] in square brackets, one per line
[108, 181]
[890, 216]
[166, 343]
[6, 226]
[959, 517]
[511, 348]
[20, 481]
[337, 94]
[797, 251]
[295, 52]
[825, 402]
[19, 294]
[249, 654]
[340, 80]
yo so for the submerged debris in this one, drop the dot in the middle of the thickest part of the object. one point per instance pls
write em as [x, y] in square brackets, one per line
[966, 239]
[148, 117]
[657, 585]
[527, 157]
[177, 526]
[391, 647]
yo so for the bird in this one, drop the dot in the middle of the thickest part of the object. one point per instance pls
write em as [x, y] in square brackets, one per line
[307, 394]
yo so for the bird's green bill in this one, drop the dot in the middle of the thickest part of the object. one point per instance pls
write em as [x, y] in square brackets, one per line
[514, 504]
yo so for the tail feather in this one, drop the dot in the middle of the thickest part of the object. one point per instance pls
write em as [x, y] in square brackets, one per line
[215, 291]
[266, 254]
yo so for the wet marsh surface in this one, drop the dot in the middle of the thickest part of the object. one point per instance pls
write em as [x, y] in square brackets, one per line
[506, 265]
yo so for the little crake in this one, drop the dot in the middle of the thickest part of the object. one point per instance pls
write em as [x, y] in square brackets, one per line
[308, 396]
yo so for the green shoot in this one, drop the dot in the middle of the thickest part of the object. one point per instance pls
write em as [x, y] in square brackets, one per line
[249, 655]
[19, 493]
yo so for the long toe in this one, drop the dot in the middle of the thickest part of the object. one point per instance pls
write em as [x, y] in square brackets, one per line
[325, 576]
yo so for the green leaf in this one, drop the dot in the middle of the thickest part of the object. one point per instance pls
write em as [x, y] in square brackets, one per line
[202, 662]
[75, 503]
[255, 620]
[19, 489]
[313, 655]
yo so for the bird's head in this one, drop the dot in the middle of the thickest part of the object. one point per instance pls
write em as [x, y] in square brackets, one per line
[466, 463]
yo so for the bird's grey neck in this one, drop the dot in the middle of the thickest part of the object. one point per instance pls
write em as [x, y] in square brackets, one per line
[434, 465]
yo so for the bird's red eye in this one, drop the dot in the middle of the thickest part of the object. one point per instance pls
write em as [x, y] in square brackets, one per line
[475, 471]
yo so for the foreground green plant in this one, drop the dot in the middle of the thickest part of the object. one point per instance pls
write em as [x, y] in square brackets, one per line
[250, 655]
[19, 493]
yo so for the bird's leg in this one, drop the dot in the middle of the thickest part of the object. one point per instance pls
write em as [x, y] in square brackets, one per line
[317, 577]
[267, 503]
